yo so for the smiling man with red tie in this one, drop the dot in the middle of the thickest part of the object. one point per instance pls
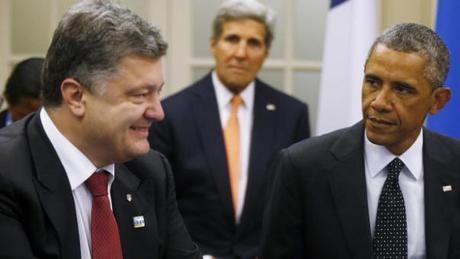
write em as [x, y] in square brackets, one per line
[78, 178]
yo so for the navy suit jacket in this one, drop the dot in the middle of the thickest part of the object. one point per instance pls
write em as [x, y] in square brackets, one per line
[319, 203]
[191, 138]
[37, 212]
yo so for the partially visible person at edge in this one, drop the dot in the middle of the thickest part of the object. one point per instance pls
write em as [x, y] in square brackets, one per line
[222, 133]
[22, 91]
[78, 178]
[386, 187]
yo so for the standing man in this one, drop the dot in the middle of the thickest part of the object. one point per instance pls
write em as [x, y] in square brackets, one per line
[77, 178]
[386, 187]
[222, 132]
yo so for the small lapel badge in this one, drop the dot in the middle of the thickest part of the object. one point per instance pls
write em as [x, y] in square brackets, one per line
[138, 222]
[270, 107]
[447, 188]
[129, 197]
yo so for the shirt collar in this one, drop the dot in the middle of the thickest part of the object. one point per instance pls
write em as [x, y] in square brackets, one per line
[77, 166]
[224, 96]
[378, 157]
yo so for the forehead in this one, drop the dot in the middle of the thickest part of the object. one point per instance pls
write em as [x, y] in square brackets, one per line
[390, 63]
[244, 27]
[138, 71]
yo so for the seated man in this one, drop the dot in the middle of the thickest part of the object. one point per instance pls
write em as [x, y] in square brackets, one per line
[386, 187]
[78, 178]
[22, 91]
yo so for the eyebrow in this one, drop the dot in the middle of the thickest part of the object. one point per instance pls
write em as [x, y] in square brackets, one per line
[161, 86]
[372, 76]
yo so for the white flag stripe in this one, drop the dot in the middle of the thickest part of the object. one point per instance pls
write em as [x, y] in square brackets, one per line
[351, 28]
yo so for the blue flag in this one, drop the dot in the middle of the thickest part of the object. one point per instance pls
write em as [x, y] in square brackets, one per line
[447, 121]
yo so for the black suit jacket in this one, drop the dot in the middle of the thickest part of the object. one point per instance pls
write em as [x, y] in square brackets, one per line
[37, 213]
[319, 204]
[191, 138]
[3, 118]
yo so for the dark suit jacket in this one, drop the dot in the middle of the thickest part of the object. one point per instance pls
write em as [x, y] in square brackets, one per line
[3, 118]
[319, 202]
[191, 138]
[37, 213]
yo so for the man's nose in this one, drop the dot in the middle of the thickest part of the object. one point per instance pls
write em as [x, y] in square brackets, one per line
[383, 99]
[241, 50]
[155, 110]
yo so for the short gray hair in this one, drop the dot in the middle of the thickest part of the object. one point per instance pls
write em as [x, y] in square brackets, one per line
[245, 9]
[416, 38]
[90, 40]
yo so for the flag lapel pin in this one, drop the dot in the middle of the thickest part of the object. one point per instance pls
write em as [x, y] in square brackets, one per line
[447, 188]
[138, 222]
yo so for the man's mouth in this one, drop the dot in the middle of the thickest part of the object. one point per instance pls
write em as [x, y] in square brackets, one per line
[143, 130]
[381, 121]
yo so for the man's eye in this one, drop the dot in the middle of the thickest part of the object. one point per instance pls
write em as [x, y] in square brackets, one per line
[404, 89]
[254, 43]
[372, 82]
[232, 39]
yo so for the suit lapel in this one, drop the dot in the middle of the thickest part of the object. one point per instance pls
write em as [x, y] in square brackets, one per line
[262, 140]
[129, 202]
[439, 204]
[54, 189]
[348, 186]
[207, 119]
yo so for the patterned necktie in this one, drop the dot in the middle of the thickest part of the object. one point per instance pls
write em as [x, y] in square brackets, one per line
[232, 148]
[105, 239]
[390, 235]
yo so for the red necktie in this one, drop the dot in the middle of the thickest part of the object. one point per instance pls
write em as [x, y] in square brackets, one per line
[105, 238]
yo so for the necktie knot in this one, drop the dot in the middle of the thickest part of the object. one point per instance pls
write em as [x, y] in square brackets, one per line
[236, 102]
[394, 168]
[97, 183]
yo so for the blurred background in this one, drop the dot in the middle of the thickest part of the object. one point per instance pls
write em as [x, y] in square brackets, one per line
[294, 65]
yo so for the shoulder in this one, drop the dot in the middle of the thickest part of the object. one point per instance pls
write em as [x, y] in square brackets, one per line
[151, 165]
[324, 150]
[12, 140]
[200, 87]
[441, 146]
[277, 95]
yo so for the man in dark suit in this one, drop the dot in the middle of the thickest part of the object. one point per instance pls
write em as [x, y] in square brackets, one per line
[385, 187]
[22, 91]
[77, 178]
[222, 211]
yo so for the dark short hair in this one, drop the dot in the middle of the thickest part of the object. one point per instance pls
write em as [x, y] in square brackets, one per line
[90, 40]
[417, 38]
[245, 9]
[24, 81]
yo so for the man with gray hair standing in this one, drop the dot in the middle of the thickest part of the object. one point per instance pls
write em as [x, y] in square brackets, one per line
[78, 178]
[222, 132]
[385, 188]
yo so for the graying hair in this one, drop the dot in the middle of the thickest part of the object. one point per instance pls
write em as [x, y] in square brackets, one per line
[88, 43]
[416, 38]
[245, 9]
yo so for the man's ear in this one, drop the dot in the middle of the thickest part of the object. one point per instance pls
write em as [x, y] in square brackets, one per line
[441, 96]
[72, 96]
[212, 44]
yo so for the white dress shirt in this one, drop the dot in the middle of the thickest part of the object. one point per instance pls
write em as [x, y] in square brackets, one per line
[245, 114]
[78, 169]
[376, 158]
